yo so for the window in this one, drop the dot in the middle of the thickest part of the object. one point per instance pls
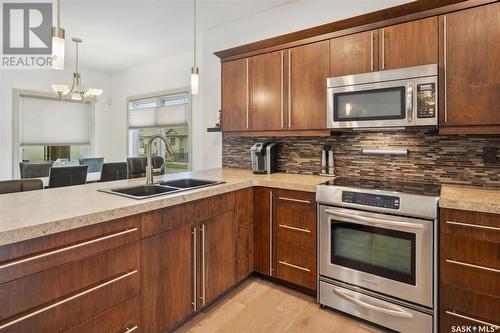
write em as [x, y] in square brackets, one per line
[167, 114]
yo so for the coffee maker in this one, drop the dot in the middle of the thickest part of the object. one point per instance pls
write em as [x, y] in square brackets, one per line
[264, 157]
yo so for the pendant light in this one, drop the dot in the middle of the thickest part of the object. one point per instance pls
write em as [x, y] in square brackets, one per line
[194, 70]
[58, 36]
[77, 91]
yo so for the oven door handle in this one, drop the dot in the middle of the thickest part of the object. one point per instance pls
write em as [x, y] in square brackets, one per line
[396, 312]
[373, 220]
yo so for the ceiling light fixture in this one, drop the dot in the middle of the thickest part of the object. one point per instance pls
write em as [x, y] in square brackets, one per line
[194, 70]
[58, 36]
[77, 91]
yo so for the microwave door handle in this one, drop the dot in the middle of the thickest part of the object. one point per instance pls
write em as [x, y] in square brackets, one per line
[409, 102]
[396, 312]
[374, 221]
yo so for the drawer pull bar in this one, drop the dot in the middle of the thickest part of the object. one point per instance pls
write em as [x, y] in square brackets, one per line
[453, 313]
[473, 225]
[132, 329]
[34, 313]
[473, 266]
[294, 266]
[294, 228]
[67, 248]
[294, 200]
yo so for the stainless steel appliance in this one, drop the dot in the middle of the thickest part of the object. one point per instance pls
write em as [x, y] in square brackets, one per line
[377, 251]
[264, 157]
[396, 98]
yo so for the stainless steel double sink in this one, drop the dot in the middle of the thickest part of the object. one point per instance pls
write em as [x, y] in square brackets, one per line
[146, 191]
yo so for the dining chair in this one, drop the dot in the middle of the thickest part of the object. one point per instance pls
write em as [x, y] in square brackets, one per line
[137, 166]
[94, 163]
[20, 185]
[113, 171]
[35, 169]
[68, 176]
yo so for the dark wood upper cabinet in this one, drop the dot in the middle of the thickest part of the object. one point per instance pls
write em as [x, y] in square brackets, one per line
[354, 54]
[409, 44]
[469, 71]
[167, 279]
[308, 71]
[267, 91]
[236, 94]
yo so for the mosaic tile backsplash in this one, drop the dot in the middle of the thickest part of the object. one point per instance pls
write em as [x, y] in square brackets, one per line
[432, 158]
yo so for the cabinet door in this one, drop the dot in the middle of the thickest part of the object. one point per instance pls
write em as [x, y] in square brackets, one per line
[308, 71]
[235, 95]
[470, 86]
[354, 54]
[409, 44]
[267, 91]
[167, 279]
[243, 232]
[217, 272]
[263, 216]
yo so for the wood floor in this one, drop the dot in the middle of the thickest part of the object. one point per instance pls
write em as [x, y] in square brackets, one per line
[262, 306]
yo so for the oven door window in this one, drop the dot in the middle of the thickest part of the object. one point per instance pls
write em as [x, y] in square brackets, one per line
[376, 104]
[383, 252]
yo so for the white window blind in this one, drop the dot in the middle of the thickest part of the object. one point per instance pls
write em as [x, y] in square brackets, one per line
[160, 111]
[53, 122]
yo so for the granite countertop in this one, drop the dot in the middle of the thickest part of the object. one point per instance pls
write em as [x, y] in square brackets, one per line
[470, 198]
[33, 214]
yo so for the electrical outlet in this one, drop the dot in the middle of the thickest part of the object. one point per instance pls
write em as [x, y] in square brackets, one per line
[490, 155]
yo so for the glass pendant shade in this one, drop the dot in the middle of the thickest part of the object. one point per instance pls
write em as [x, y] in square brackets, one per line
[58, 48]
[60, 89]
[194, 80]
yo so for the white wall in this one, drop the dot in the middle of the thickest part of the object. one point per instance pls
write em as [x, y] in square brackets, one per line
[40, 80]
[295, 16]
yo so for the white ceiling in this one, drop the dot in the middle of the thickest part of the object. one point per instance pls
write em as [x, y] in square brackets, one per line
[122, 33]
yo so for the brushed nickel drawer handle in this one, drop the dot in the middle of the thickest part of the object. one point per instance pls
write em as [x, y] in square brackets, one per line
[34, 313]
[286, 226]
[203, 267]
[67, 248]
[453, 313]
[294, 266]
[294, 200]
[128, 330]
[473, 225]
[494, 270]
[195, 269]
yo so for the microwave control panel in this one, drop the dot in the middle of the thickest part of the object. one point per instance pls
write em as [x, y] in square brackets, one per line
[426, 100]
[368, 199]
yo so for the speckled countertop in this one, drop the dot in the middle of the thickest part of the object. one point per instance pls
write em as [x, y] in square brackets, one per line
[470, 198]
[33, 214]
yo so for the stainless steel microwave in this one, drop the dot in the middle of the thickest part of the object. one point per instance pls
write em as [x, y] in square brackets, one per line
[396, 98]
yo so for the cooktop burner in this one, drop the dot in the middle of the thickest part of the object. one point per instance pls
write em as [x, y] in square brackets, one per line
[384, 185]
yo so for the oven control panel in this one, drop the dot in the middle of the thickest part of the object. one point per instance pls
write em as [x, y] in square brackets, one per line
[369, 199]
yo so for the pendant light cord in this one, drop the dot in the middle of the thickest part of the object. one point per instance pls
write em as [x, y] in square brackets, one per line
[194, 31]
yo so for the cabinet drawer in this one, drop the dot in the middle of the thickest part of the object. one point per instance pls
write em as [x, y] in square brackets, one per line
[481, 226]
[72, 310]
[28, 257]
[296, 265]
[162, 220]
[450, 320]
[48, 287]
[462, 274]
[212, 206]
[123, 318]
[470, 304]
[305, 200]
[296, 235]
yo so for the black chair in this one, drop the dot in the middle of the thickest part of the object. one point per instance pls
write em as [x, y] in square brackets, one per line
[20, 185]
[94, 163]
[35, 169]
[68, 176]
[137, 166]
[113, 171]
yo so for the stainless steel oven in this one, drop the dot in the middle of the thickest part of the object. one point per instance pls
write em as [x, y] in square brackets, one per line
[387, 99]
[377, 251]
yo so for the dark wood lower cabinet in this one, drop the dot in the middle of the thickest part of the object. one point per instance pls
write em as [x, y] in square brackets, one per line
[244, 233]
[263, 215]
[167, 279]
